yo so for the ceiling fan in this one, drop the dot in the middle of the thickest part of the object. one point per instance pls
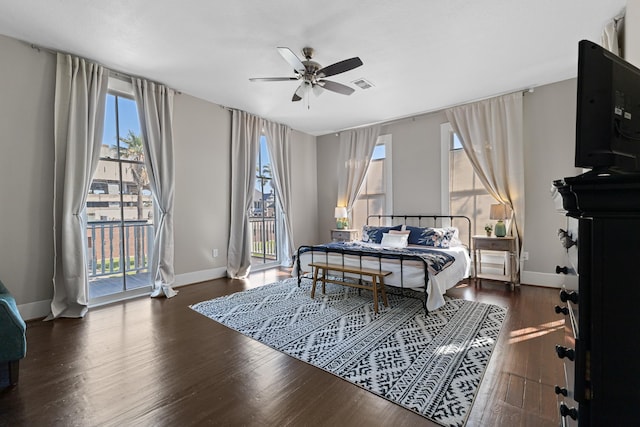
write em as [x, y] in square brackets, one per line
[313, 74]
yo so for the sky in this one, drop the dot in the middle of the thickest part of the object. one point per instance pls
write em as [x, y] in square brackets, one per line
[265, 159]
[128, 119]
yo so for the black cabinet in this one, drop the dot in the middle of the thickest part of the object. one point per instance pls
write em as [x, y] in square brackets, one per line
[604, 352]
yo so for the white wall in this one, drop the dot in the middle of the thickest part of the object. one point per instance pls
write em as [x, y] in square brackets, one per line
[549, 137]
[202, 136]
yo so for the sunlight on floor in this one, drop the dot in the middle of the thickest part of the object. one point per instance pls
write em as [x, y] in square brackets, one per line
[535, 331]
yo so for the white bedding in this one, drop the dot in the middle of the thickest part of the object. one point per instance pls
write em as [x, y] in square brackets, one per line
[412, 271]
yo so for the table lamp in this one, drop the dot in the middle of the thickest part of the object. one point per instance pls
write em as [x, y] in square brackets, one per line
[500, 212]
[341, 217]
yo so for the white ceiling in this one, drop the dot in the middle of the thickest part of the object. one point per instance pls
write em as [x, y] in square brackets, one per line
[421, 55]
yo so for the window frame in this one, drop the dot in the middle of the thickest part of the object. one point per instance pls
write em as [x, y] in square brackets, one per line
[121, 88]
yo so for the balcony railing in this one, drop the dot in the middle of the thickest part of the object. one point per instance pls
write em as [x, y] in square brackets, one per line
[105, 242]
[263, 238]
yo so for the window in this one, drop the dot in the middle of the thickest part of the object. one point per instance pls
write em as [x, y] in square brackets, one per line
[375, 197]
[463, 192]
[119, 205]
[263, 217]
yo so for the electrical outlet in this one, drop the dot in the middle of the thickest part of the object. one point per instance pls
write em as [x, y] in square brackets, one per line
[524, 256]
[215, 253]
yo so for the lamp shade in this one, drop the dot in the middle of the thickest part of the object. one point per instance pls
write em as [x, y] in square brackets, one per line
[340, 212]
[499, 211]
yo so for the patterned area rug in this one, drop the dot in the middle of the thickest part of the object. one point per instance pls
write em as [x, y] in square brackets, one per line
[430, 365]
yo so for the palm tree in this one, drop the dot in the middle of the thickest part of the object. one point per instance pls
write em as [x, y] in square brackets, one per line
[265, 176]
[135, 152]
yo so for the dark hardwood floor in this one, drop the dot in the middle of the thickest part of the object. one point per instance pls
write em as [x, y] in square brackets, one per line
[155, 362]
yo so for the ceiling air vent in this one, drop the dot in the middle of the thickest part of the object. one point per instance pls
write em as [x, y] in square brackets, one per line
[362, 83]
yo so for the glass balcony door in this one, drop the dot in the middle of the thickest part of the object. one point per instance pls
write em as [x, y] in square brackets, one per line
[119, 209]
[263, 216]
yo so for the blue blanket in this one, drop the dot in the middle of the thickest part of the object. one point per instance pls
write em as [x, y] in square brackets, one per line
[436, 260]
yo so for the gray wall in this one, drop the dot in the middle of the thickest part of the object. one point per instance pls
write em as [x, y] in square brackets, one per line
[26, 170]
[304, 215]
[549, 135]
[417, 167]
[202, 141]
[202, 135]
[632, 32]
[202, 132]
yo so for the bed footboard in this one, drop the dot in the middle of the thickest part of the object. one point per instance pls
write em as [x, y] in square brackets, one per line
[322, 253]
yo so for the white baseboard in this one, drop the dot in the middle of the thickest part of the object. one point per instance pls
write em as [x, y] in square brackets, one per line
[549, 280]
[199, 276]
[35, 310]
[40, 309]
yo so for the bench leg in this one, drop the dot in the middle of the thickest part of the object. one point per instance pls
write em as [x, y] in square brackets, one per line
[324, 280]
[315, 279]
[375, 293]
[384, 293]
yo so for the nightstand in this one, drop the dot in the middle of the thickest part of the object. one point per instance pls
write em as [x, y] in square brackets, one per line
[501, 244]
[344, 235]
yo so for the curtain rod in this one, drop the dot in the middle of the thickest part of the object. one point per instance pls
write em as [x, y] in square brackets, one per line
[435, 110]
[112, 73]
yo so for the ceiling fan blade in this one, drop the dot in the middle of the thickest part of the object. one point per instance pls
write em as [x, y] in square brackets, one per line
[299, 94]
[272, 79]
[339, 67]
[292, 59]
[336, 87]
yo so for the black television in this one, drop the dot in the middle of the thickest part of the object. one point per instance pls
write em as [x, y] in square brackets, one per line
[607, 112]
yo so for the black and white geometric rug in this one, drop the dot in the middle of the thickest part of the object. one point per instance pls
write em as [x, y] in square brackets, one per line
[431, 365]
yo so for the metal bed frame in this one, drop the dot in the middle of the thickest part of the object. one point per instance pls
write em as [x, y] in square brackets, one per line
[435, 221]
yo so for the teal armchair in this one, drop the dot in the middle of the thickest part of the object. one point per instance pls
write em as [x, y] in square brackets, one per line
[13, 340]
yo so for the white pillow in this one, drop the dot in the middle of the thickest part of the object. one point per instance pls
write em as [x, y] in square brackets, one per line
[455, 240]
[394, 240]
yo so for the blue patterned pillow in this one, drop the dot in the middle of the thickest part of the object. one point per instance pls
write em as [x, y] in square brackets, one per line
[374, 234]
[435, 237]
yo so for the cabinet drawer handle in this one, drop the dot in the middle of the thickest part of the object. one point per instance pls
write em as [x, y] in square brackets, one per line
[560, 390]
[563, 270]
[563, 310]
[568, 296]
[565, 411]
[563, 352]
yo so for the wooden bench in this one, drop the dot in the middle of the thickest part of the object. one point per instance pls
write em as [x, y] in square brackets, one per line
[377, 280]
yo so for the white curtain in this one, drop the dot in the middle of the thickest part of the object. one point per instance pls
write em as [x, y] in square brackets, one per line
[491, 133]
[278, 143]
[245, 137]
[155, 110]
[356, 149]
[610, 37]
[80, 97]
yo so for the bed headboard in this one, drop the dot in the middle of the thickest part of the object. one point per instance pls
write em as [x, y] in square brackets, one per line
[461, 222]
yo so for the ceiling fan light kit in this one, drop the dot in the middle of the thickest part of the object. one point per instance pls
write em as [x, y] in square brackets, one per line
[313, 74]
